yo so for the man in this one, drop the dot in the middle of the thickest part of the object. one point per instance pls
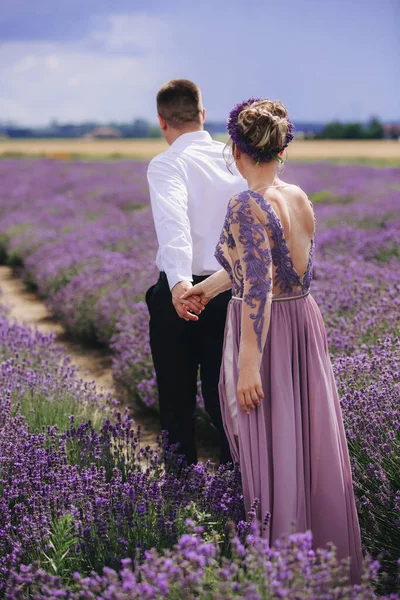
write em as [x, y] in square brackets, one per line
[190, 187]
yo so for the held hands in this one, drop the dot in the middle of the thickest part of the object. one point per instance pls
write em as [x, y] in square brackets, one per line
[249, 389]
[186, 310]
[196, 296]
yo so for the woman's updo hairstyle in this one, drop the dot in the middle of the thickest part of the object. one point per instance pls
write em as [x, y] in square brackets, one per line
[260, 128]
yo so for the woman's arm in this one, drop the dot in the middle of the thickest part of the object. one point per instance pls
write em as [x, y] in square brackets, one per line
[209, 288]
[248, 229]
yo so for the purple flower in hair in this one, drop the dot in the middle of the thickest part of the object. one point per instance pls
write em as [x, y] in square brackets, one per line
[237, 137]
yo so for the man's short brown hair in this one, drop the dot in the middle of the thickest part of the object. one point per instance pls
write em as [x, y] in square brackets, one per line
[179, 103]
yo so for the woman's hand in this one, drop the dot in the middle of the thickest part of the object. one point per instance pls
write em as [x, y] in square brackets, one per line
[196, 297]
[249, 389]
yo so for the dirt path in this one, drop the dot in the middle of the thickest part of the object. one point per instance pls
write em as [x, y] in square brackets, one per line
[93, 363]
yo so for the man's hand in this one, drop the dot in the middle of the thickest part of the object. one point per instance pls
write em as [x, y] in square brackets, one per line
[183, 310]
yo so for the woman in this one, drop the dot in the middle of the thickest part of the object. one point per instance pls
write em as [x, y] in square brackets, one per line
[278, 395]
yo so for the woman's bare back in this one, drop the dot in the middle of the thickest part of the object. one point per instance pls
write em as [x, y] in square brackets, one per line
[295, 213]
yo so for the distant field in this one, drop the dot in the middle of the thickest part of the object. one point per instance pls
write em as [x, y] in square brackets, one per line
[378, 151]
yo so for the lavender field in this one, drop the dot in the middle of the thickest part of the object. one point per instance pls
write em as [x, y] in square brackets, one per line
[77, 494]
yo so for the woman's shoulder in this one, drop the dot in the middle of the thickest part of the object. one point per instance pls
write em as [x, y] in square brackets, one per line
[250, 205]
[300, 205]
[239, 201]
[240, 196]
[289, 189]
[292, 193]
[244, 199]
[295, 192]
[301, 199]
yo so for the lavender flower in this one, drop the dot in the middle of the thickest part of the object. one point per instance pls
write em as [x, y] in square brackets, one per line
[76, 231]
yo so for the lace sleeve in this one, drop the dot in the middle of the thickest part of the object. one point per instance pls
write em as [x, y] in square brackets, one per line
[248, 229]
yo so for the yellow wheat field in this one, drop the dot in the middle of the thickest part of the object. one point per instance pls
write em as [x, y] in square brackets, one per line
[346, 150]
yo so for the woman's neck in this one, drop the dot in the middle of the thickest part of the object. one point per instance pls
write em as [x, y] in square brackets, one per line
[262, 177]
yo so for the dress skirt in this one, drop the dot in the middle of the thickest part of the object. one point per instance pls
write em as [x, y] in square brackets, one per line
[292, 449]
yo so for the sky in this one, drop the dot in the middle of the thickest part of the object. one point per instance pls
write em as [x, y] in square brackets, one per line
[103, 60]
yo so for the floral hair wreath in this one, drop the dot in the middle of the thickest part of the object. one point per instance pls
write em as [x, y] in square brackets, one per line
[244, 146]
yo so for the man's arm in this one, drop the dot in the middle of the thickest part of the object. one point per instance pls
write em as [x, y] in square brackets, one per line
[169, 202]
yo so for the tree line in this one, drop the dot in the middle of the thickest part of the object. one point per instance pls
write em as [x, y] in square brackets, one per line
[337, 130]
[141, 128]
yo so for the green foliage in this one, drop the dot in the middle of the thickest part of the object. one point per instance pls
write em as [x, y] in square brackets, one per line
[14, 258]
[133, 206]
[375, 129]
[326, 197]
[63, 277]
[4, 243]
[59, 558]
[155, 132]
[41, 411]
[336, 130]
[386, 254]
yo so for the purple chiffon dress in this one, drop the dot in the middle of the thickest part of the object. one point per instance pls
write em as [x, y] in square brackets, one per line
[292, 449]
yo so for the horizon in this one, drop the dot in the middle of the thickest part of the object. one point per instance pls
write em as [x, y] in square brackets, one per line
[116, 124]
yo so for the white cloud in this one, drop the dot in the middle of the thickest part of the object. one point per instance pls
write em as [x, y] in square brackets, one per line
[141, 32]
[25, 64]
[110, 75]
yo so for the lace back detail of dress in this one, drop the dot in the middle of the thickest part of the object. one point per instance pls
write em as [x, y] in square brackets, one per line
[286, 277]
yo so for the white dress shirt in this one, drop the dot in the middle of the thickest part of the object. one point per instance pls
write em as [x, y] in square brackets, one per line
[190, 187]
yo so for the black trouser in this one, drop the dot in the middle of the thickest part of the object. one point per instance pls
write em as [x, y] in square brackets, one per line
[179, 348]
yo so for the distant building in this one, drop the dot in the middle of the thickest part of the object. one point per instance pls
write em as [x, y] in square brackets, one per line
[391, 131]
[104, 133]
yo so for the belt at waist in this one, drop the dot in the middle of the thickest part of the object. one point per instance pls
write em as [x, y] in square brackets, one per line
[279, 298]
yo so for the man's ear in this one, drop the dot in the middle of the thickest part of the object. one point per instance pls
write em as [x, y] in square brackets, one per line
[203, 115]
[163, 123]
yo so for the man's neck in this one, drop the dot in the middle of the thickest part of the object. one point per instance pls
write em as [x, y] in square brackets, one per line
[174, 134]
